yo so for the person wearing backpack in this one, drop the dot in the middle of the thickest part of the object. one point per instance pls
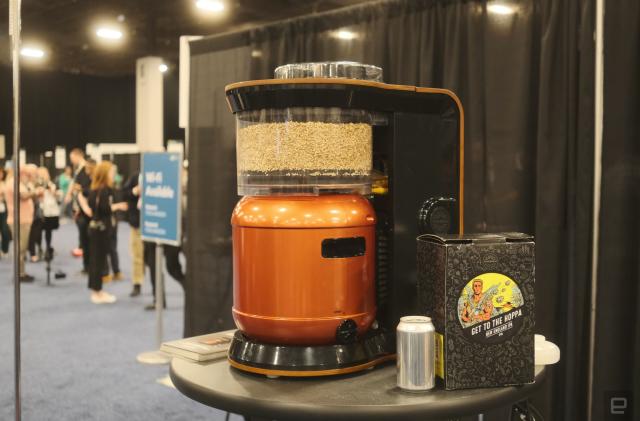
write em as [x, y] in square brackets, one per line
[50, 208]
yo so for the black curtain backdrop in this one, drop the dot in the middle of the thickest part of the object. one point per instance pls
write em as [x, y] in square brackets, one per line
[61, 109]
[68, 110]
[171, 95]
[527, 85]
[617, 362]
[211, 190]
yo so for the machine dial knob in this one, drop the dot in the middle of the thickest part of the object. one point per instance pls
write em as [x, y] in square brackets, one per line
[346, 332]
[437, 216]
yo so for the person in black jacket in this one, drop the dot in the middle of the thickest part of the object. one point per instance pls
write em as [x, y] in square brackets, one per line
[5, 233]
[146, 249]
[131, 193]
[173, 265]
[99, 207]
[80, 186]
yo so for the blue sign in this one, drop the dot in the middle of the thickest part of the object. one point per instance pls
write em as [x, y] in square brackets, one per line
[161, 209]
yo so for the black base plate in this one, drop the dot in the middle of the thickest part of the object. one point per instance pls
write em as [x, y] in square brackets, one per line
[249, 355]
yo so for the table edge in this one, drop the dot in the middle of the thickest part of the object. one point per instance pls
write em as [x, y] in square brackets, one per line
[282, 411]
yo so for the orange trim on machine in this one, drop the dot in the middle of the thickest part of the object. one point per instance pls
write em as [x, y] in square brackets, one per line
[319, 81]
[300, 319]
[311, 373]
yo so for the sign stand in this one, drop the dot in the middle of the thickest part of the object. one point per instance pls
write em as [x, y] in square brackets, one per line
[160, 223]
[157, 356]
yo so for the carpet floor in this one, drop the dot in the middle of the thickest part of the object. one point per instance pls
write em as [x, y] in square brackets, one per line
[78, 358]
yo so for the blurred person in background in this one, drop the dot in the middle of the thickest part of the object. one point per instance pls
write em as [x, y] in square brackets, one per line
[8, 170]
[80, 184]
[117, 179]
[173, 265]
[50, 208]
[64, 182]
[131, 193]
[114, 260]
[4, 228]
[35, 235]
[89, 167]
[99, 206]
[25, 217]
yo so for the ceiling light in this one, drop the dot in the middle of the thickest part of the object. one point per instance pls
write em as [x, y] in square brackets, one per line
[210, 5]
[109, 33]
[347, 35]
[163, 68]
[501, 9]
[32, 52]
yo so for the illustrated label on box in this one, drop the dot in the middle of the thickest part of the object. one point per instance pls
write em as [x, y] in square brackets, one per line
[479, 291]
[490, 308]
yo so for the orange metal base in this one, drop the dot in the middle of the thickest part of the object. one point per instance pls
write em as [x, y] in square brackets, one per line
[285, 290]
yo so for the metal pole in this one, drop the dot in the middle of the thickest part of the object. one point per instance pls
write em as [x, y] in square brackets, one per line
[159, 294]
[597, 185]
[157, 356]
[14, 29]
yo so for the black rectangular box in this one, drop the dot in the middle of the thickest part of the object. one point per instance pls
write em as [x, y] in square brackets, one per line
[479, 291]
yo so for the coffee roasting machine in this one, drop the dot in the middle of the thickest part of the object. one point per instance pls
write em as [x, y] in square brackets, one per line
[339, 174]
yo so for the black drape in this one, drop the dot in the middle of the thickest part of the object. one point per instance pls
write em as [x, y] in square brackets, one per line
[617, 369]
[211, 190]
[61, 109]
[526, 83]
[564, 186]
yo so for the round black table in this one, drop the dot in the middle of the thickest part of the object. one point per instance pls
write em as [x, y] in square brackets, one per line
[370, 395]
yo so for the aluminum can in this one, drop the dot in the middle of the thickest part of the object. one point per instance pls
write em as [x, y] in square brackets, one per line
[415, 346]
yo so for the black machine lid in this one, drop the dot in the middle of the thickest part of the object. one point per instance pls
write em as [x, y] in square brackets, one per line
[341, 93]
[341, 84]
